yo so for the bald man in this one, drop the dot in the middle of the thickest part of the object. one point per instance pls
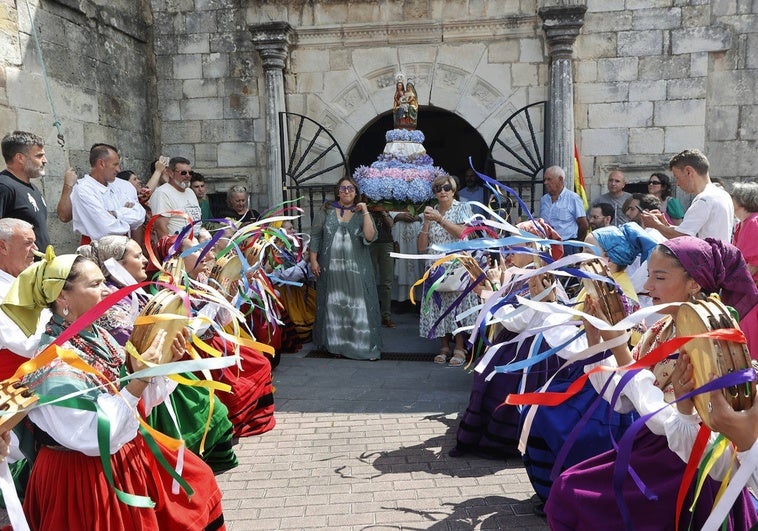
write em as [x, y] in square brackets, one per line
[615, 197]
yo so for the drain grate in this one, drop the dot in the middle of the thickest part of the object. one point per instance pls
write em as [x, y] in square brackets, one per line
[390, 356]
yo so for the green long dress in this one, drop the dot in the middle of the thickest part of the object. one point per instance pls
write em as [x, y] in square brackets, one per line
[347, 305]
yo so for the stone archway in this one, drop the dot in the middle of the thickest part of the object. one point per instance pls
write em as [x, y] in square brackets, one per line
[450, 141]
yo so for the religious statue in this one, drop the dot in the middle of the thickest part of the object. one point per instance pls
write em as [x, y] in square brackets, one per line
[405, 107]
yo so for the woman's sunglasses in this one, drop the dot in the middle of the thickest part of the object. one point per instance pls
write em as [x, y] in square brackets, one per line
[654, 182]
[439, 188]
[347, 188]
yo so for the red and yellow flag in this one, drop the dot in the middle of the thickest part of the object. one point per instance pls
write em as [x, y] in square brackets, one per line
[579, 180]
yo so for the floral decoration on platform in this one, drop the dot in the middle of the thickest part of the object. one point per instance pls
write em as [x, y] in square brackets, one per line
[402, 176]
[404, 135]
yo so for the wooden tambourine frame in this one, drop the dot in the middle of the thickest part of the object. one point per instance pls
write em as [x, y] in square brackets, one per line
[15, 399]
[604, 294]
[227, 271]
[165, 311]
[714, 357]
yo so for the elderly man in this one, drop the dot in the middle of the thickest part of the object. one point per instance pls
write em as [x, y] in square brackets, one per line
[601, 215]
[615, 197]
[102, 205]
[711, 214]
[175, 197]
[16, 254]
[562, 208]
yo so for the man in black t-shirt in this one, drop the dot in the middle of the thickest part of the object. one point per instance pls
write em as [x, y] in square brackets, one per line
[24, 155]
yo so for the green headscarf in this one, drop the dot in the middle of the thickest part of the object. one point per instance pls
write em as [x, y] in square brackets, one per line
[35, 287]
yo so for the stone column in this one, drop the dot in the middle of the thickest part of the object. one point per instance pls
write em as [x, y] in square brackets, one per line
[272, 41]
[561, 24]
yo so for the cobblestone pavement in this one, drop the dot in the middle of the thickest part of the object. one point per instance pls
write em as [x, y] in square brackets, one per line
[361, 445]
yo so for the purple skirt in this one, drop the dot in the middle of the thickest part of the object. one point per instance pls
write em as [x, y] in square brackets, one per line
[489, 427]
[582, 497]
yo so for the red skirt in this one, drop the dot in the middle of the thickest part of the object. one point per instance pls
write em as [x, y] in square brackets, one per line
[9, 362]
[251, 401]
[68, 490]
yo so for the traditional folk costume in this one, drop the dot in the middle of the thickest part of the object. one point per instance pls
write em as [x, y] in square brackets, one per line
[250, 403]
[68, 488]
[552, 427]
[191, 404]
[583, 495]
[489, 427]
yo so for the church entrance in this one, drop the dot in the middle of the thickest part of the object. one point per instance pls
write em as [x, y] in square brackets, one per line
[450, 141]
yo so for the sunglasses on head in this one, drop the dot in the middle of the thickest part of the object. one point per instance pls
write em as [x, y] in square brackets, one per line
[439, 188]
[348, 188]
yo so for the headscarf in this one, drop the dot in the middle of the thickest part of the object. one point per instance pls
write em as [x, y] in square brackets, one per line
[35, 287]
[106, 247]
[163, 249]
[717, 266]
[556, 251]
[623, 244]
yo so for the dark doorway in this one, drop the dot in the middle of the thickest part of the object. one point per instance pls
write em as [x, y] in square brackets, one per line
[450, 140]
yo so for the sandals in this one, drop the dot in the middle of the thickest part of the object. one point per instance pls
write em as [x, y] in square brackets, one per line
[459, 358]
[441, 358]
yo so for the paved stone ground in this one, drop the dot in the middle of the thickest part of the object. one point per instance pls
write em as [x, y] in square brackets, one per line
[361, 445]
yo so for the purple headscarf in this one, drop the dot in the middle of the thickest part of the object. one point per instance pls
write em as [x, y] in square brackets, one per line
[719, 268]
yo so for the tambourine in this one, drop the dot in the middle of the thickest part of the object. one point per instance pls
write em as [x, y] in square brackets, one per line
[173, 270]
[714, 357]
[165, 311]
[605, 294]
[253, 251]
[226, 273]
[227, 269]
[15, 399]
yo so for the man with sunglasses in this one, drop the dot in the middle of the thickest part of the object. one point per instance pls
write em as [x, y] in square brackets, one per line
[175, 196]
[99, 205]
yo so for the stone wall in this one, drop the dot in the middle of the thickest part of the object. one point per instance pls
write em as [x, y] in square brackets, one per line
[479, 60]
[208, 79]
[98, 61]
[653, 78]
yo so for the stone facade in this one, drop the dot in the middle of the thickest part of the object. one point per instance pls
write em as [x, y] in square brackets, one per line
[653, 78]
[184, 76]
[98, 58]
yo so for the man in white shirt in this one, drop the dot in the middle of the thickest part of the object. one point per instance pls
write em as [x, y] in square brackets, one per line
[101, 207]
[177, 196]
[16, 254]
[711, 214]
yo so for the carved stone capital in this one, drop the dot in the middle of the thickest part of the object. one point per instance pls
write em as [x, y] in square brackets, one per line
[272, 41]
[562, 25]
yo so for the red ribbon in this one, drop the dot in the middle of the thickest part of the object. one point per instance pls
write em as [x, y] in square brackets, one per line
[656, 355]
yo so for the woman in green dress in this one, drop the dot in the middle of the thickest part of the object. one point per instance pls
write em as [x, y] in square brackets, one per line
[347, 305]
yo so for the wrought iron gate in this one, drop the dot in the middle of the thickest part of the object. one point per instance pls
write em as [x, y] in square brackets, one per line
[308, 151]
[313, 161]
[517, 152]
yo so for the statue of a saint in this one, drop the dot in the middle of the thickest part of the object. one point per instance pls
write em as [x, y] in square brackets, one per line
[405, 105]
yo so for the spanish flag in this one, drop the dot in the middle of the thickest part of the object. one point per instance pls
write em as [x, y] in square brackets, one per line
[579, 180]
